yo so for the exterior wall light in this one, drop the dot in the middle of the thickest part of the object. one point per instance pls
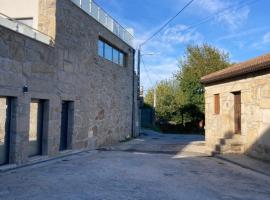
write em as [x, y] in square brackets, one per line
[25, 89]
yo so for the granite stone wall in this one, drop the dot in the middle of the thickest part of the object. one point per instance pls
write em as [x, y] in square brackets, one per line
[68, 70]
[255, 114]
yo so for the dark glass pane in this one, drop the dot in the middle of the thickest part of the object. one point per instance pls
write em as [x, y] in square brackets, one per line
[4, 133]
[115, 56]
[101, 48]
[121, 59]
[108, 52]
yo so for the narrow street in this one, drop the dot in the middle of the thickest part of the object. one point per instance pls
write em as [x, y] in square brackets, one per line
[151, 167]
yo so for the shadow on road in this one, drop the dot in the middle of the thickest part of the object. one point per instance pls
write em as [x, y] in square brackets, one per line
[154, 142]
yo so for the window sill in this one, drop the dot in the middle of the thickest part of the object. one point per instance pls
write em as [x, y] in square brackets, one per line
[111, 62]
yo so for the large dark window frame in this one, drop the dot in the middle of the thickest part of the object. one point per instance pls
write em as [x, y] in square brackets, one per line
[108, 52]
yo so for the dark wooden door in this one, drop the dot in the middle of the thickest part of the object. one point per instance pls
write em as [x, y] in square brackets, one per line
[5, 112]
[64, 126]
[237, 112]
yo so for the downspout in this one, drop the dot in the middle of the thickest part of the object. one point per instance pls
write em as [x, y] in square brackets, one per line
[133, 97]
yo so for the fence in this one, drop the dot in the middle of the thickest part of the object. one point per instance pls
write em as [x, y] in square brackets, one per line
[24, 29]
[147, 117]
[91, 8]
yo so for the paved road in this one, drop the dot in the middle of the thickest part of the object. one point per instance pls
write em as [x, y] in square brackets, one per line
[152, 167]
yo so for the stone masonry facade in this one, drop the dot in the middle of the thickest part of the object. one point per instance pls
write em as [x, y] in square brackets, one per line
[104, 103]
[255, 115]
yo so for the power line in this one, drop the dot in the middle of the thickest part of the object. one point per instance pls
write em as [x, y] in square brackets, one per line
[170, 20]
[147, 72]
[205, 20]
[219, 13]
[156, 75]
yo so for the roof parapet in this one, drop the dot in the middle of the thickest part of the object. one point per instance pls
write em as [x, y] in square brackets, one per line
[24, 29]
[92, 9]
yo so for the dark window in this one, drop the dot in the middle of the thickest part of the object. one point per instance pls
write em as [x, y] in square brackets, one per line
[217, 104]
[115, 56]
[121, 59]
[101, 48]
[67, 122]
[237, 112]
[110, 53]
[7, 106]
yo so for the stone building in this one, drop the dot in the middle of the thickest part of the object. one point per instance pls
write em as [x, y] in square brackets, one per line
[67, 79]
[237, 108]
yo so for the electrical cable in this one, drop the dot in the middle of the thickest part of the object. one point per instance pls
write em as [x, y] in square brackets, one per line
[167, 23]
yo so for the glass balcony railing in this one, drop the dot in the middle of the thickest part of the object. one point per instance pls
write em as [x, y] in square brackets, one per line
[90, 7]
[24, 29]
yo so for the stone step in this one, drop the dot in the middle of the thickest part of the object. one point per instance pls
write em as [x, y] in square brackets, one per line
[230, 148]
[237, 147]
[222, 148]
[213, 153]
[230, 141]
[210, 152]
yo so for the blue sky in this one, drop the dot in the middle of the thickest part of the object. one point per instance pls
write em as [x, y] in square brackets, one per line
[243, 31]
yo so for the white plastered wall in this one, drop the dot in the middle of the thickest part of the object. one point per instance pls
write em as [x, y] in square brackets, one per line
[21, 9]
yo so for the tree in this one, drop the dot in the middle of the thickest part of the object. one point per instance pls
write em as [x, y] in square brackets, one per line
[197, 62]
[165, 100]
[149, 98]
[181, 99]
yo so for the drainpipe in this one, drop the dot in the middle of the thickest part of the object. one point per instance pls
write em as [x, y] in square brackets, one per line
[133, 97]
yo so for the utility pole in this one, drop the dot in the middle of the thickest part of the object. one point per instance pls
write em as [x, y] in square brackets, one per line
[139, 70]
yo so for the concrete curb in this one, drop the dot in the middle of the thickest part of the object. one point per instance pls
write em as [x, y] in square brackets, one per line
[241, 165]
[13, 167]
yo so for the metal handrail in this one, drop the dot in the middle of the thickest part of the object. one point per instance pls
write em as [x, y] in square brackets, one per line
[94, 10]
[15, 25]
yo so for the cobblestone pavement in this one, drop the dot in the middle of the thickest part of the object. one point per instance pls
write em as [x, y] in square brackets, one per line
[137, 171]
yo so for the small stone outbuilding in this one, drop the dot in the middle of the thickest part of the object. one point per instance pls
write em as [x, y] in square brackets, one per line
[237, 108]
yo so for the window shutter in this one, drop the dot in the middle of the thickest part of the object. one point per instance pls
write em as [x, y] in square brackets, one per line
[217, 104]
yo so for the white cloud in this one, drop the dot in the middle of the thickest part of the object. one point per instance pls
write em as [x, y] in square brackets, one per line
[131, 31]
[175, 38]
[164, 63]
[178, 35]
[171, 37]
[242, 33]
[232, 18]
[211, 5]
[266, 38]
[155, 72]
[263, 43]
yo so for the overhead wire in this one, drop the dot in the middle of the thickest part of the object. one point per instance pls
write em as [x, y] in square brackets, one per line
[166, 24]
[147, 72]
[205, 20]
[218, 13]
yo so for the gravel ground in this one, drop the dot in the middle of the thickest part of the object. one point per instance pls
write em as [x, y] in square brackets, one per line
[126, 172]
